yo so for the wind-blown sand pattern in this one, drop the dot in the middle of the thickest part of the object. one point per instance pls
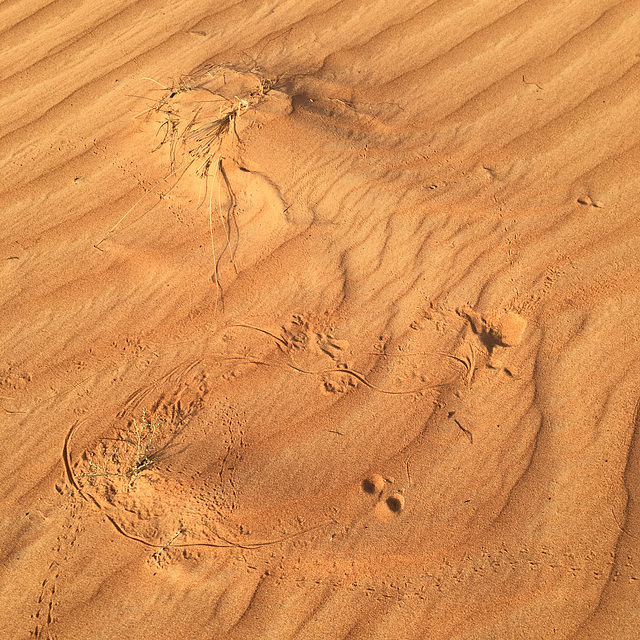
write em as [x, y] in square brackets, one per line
[383, 329]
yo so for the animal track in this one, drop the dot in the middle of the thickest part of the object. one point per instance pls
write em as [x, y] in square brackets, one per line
[44, 616]
[393, 504]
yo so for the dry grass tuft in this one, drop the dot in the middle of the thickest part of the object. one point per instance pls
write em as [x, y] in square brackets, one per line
[136, 453]
[197, 121]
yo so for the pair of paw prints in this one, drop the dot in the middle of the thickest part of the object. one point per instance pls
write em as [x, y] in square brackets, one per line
[376, 485]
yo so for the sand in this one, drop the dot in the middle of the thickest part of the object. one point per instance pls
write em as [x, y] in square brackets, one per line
[320, 319]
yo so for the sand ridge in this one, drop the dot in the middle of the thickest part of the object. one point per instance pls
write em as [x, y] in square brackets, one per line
[319, 319]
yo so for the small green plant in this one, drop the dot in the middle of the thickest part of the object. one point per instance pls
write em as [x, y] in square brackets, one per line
[141, 453]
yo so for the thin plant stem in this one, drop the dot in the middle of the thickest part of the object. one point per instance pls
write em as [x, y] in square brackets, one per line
[213, 248]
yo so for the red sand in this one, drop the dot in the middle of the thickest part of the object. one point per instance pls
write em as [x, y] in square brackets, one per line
[383, 328]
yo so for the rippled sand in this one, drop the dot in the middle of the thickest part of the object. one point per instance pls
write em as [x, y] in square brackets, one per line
[320, 320]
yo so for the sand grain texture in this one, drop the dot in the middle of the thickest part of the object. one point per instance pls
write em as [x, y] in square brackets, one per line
[402, 401]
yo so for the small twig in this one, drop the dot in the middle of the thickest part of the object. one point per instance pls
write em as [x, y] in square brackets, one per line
[349, 372]
[535, 84]
[146, 193]
[365, 382]
[613, 513]
[154, 424]
[66, 456]
[138, 430]
[227, 544]
[469, 434]
[156, 555]
[213, 248]
[160, 85]
[268, 333]
[469, 362]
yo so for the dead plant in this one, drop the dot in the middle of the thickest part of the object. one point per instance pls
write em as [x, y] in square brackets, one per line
[193, 135]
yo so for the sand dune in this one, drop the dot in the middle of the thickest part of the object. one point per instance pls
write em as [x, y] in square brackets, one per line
[320, 319]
